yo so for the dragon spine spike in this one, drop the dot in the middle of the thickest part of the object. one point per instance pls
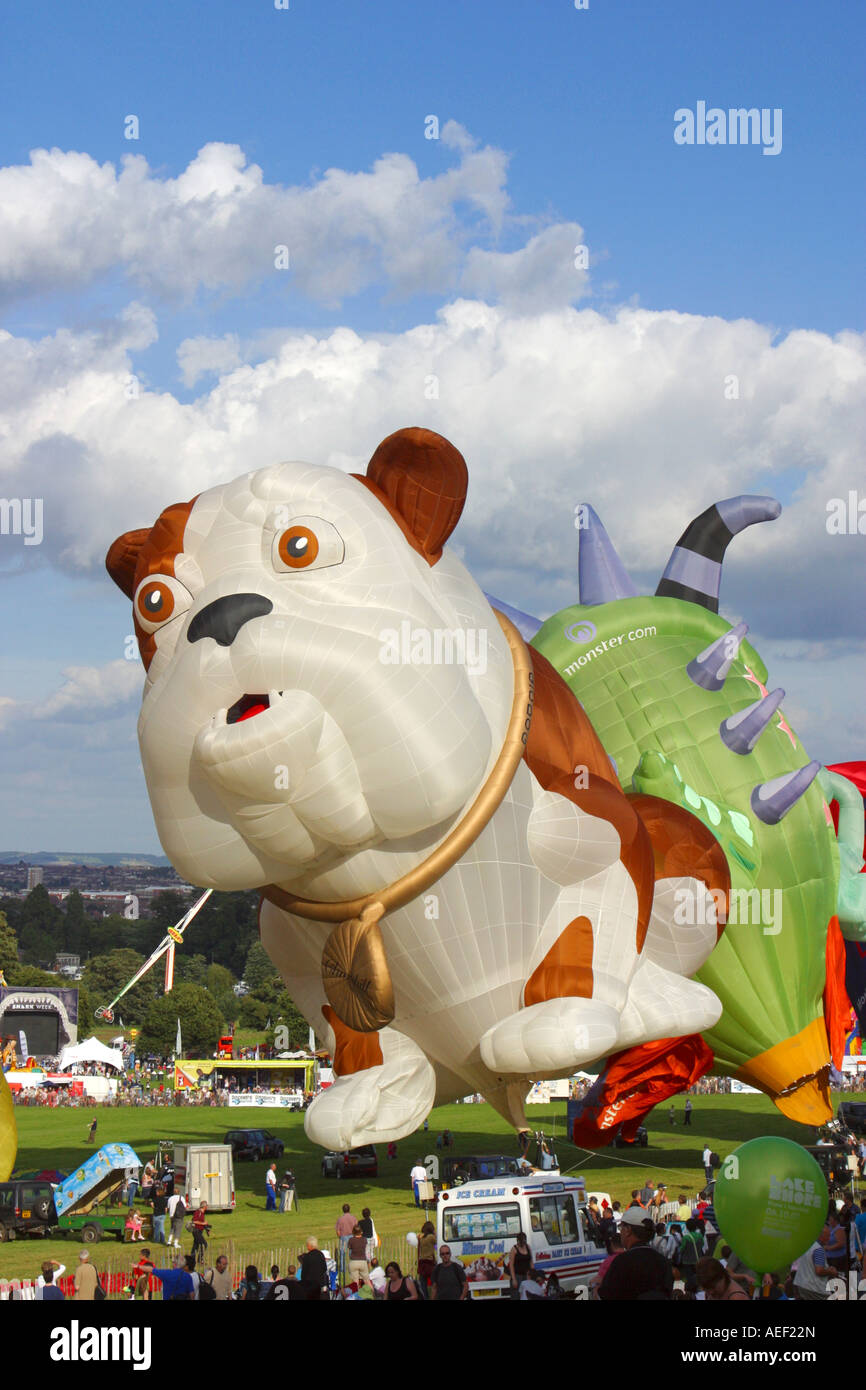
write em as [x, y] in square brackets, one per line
[694, 570]
[773, 800]
[740, 732]
[602, 576]
[710, 668]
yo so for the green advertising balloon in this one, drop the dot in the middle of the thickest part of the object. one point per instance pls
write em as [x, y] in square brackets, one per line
[771, 1202]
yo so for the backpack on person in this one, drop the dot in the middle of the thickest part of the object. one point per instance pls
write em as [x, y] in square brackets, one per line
[689, 1250]
[206, 1290]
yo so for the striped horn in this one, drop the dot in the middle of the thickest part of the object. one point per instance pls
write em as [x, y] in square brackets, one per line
[773, 800]
[601, 574]
[740, 732]
[694, 571]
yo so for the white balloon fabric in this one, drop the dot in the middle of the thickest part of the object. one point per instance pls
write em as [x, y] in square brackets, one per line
[334, 714]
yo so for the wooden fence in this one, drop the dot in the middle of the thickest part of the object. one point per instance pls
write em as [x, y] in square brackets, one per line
[114, 1264]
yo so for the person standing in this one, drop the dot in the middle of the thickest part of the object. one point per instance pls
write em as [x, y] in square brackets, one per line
[707, 1161]
[359, 1268]
[426, 1256]
[344, 1226]
[160, 1209]
[250, 1287]
[141, 1272]
[85, 1279]
[398, 1289]
[688, 1111]
[91, 1133]
[288, 1191]
[519, 1263]
[271, 1188]
[449, 1283]
[55, 1269]
[640, 1271]
[836, 1249]
[417, 1175]
[813, 1271]
[200, 1229]
[131, 1186]
[176, 1282]
[176, 1211]
[672, 1117]
[368, 1230]
[50, 1293]
[314, 1271]
[222, 1280]
[658, 1200]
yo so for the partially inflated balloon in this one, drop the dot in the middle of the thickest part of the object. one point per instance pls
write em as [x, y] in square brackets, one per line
[8, 1131]
[771, 1202]
[680, 701]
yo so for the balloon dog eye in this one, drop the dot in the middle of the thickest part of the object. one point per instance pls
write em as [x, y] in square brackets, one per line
[308, 543]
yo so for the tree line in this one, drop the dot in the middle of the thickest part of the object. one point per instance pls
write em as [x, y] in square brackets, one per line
[220, 948]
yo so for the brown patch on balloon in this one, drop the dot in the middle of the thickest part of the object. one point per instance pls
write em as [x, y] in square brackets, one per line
[355, 972]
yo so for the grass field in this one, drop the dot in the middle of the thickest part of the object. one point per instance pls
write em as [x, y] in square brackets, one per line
[55, 1138]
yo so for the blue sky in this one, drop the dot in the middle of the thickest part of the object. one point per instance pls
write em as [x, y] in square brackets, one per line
[565, 120]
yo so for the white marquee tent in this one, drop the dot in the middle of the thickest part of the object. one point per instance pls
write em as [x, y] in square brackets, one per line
[91, 1050]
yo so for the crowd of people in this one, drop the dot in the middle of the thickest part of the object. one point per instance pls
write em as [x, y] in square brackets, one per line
[681, 1254]
[655, 1248]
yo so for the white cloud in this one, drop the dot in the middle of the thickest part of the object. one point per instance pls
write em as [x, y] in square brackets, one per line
[92, 693]
[628, 412]
[198, 357]
[66, 220]
[543, 274]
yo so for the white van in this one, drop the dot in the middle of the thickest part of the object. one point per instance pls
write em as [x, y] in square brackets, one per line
[480, 1221]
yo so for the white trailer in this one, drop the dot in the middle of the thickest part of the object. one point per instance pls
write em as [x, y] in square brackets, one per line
[203, 1173]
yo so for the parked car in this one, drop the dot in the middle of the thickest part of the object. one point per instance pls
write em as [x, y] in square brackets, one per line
[357, 1163]
[254, 1144]
[852, 1113]
[641, 1139]
[832, 1159]
[451, 1172]
[26, 1208]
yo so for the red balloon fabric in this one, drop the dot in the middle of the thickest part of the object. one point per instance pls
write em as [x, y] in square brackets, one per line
[854, 966]
[633, 1082]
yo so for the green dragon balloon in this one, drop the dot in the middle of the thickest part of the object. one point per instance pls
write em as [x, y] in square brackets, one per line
[679, 698]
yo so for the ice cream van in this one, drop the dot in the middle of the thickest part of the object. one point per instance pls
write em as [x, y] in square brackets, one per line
[479, 1222]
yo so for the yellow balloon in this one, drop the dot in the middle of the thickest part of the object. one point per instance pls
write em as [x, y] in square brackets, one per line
[8, 1130]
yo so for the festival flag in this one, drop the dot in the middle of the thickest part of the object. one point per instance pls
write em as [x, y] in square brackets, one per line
[178, 1044]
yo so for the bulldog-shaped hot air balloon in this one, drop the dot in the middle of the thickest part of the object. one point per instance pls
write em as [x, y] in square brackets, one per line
[456, 891]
